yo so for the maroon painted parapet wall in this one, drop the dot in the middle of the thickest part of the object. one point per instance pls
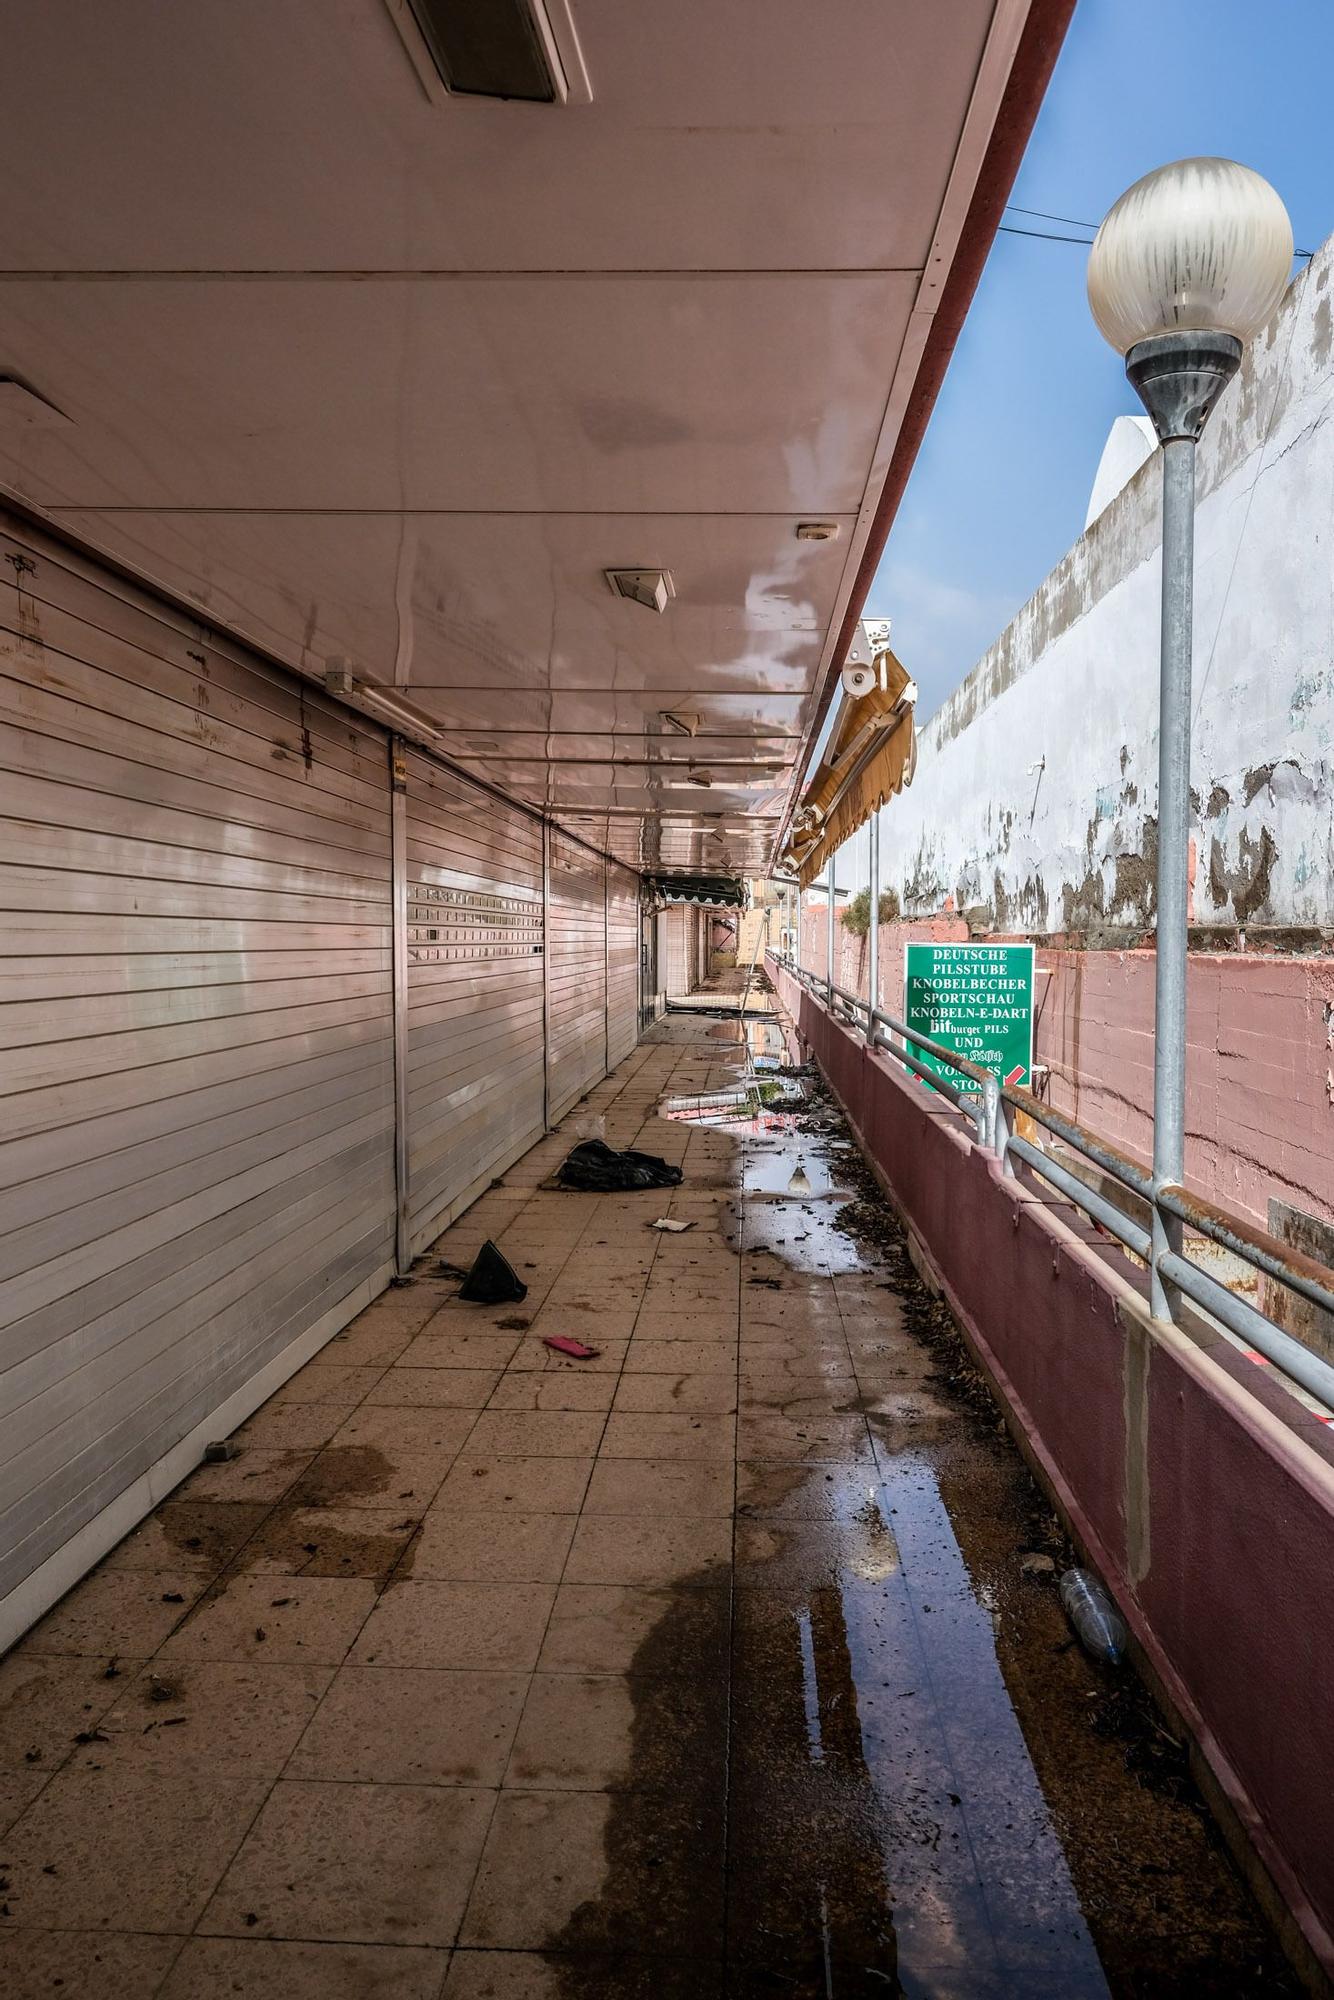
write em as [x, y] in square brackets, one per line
[1202, 1491]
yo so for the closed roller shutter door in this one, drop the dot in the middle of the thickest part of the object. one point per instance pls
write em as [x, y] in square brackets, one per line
[196, 1161]
[475, 1058]
[622, 963]
[576, 946]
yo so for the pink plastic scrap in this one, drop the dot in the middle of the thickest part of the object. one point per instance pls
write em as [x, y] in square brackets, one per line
[563, 1344]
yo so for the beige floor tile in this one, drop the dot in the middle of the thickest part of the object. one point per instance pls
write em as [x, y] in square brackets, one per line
[373, 1475]
[492, 1548]
[536, 1434]
[615, 1629]
[255, 1475]
[46, 1701]
[518, 1485]
[295, 1426]
[546, 1877]
[647, 1356]
[615, 1549]
[608, 1359]
[657, 1323]
[767, 1388]
[326, 1381]
[368, 1864]
[368, 1343]
[835, 1440]
[804, 1356]
[305, 1620]
[553, 1389]
[496, 1626]
[208, 1716]
[445, 1348]
[275, 1969]
[397, 1428]
[36, 1964]
[329, 1541]
[135, 1850]
[196, 1535]
[439, 1388]
[661, 1487]
[593, 1323]
[630, 1435]
[116, 1611]
[413, 1726]
[694, 1393]
[608, 1733]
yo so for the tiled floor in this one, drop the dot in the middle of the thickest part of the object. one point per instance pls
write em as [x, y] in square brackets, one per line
[702, 1666]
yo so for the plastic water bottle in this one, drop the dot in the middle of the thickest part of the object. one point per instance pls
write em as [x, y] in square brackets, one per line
[1100, 1626]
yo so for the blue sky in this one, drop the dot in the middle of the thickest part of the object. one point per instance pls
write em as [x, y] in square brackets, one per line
[1000, 487]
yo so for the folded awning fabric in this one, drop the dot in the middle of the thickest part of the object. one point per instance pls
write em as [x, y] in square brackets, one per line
[870, 757]
[718, 892]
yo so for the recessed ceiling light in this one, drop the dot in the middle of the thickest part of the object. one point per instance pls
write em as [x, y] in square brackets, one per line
[521, 49]
[817, 531]
[651, 587]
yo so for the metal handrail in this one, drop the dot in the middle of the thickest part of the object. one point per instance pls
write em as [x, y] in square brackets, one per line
[1304, 1275]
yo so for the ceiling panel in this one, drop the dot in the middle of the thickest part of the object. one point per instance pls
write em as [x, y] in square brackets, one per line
[614, 394]
[374, 378]
[502, 602]
[293, 134]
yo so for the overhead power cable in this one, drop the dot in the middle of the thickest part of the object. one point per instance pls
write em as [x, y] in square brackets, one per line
[1073, 222]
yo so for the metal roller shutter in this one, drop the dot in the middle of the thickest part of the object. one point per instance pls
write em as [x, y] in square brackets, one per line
[475, 990]
[622, 963]
[196, 1143]
[576, 972]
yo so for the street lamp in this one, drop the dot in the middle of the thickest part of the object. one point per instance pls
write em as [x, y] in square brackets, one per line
[1185, 269]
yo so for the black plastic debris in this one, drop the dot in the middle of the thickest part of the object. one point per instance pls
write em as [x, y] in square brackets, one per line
[492, 1281]
[594, 1167]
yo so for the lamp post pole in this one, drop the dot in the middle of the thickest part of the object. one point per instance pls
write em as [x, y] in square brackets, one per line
[1187, 267]
[1179, 377]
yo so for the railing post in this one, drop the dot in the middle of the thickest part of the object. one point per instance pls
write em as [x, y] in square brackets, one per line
[1001, 1137]
[873, 955]
[991, 1111]
[830, 873]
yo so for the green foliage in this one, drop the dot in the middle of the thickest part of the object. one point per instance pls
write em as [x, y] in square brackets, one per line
[857, 916]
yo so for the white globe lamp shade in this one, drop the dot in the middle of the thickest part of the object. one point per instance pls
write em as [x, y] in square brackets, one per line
[1201, 246]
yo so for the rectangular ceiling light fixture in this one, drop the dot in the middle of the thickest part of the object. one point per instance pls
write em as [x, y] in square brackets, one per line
[515, 49]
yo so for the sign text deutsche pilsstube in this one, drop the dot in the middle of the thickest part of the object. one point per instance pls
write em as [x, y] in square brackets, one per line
[976, 1000]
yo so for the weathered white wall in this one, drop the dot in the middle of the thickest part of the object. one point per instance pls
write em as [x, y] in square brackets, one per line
[1068, 845]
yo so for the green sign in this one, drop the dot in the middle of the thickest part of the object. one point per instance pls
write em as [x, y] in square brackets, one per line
[975, 999]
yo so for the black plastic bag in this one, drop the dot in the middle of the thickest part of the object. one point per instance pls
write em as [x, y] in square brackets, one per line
[594, 1167]
[492, 1281]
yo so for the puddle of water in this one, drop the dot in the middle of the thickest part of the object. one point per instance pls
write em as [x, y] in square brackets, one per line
[787, 1170]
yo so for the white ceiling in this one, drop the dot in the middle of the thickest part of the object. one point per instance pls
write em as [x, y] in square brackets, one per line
[382, 379]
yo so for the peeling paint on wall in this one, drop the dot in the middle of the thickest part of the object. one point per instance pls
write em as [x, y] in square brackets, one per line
[1034, 803]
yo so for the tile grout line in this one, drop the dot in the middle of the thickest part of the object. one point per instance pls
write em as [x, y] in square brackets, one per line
[537, 1654]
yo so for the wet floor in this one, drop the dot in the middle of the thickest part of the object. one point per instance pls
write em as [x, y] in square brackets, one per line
[728, 1661]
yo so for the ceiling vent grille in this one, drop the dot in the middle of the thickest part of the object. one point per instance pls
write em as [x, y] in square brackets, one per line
[526, 51]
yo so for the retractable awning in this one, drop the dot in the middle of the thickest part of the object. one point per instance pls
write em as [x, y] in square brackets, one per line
[871, 756]
[716, 892]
